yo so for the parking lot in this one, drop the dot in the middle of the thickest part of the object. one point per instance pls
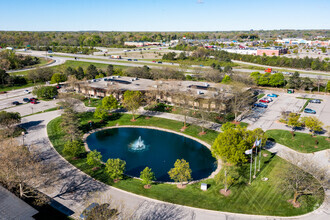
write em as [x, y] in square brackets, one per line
[267, 118]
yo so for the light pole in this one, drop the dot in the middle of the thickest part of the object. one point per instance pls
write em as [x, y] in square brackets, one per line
[247, 152]
[32, 109]
[255, 164]
[23, 135]
[259, 154]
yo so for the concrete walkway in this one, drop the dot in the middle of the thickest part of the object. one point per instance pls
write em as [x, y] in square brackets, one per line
[74, 187]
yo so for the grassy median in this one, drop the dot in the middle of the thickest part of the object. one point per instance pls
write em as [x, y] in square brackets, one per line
[301, 142]
[261, 198]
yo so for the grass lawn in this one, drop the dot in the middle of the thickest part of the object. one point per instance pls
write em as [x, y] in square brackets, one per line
[264, 198]
[92, 102]
[261, 95]
[9, 88]
[301, 142]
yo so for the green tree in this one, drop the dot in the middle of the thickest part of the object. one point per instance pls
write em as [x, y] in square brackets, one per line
[264, 79]
[294, 81]
[46, 92]
[115, 168]
[228, 176]
[277, 79]
[73, 148]
[8, 121]
[227, 126]
[147, 176]
[181, 171]
[57, 78]
[91, 72]
[4, 76]
[94, 158]
[293, 121]
[255, 76]
[101, 113]
[70, 124]
[132, 101]
[327, 89]
[110, 70]
[226, 79]
[80, 73]
[312, 123]
[109, 103]
[228, 69]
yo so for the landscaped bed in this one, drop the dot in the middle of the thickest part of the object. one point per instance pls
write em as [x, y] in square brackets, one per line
[261, 197]
[301, 142]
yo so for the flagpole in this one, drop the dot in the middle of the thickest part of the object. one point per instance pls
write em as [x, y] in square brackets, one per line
[255, 164]
[251, 166]
[259, 154]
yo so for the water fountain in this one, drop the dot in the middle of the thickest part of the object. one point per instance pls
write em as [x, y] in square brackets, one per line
[138, 145]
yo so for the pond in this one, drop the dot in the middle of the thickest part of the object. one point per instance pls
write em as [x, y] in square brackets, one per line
[141, 147]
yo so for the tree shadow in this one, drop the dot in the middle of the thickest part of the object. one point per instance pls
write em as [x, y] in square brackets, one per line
[32, 125]
[158, 211]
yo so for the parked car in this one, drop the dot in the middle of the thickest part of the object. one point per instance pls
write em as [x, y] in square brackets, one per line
[15, 103]
[310, 111]
[154, 61]
[268, 98]
[264, 100]
[260, 105]
[160, 62]
[315, 101]
[33, 101]
[272, 95]
[27, 92]
[129, 59]
[135, 60]
[84, 214]
[26, 100]
[58, 86]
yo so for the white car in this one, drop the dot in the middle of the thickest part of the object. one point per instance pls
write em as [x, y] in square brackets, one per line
[27, 92]
[269, 99]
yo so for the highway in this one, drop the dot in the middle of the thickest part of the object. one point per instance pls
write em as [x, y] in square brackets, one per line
[123, 62]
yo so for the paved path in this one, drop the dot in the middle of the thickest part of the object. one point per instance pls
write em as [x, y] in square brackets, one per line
[74, 187]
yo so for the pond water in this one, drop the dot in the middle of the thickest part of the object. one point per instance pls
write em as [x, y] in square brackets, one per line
[141, 147]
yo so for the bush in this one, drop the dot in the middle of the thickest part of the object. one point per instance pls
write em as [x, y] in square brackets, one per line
[73, 148]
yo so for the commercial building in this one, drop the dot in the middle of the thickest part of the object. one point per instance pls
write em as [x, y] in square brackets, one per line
[211, 96]
[141, 43]
[273, 51]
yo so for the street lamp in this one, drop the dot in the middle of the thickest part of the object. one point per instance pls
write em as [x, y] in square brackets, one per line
[23, 135]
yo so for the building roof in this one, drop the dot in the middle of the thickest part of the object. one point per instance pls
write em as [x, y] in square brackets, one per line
[11, 207]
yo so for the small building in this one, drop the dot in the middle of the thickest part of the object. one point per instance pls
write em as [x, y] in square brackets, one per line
[273, 51]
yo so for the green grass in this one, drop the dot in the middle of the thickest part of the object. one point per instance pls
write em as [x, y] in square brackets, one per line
[261, 95]
[301, 142]
[263, 198]
[92, 102]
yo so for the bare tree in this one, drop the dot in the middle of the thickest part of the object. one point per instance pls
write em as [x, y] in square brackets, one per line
[241, 98]
[21, 170]
[309, 179]
[319, 80]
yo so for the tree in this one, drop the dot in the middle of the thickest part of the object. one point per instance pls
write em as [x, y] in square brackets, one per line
[58, 77]
[70, 124]
[301, 182]
[115, 168]
[241, 98]
[227, 176]
[110, 70]
[91, 72]
[293, 120]
[226, 79]
[327, 89]
[21, 170]
[227, 126]
[312, 123]
[4, 76]
[147, 176]
[80, 73]
[73, 148]
[46, 92]
[132, 101]
[101, 113]
[8, 120]
[294, 81]
[94, 158]
[181, 171]
[228, 69]
[231, 144]
[109, 103]
[277, 79]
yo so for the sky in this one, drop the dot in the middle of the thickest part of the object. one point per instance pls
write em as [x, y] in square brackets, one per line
[163, 15]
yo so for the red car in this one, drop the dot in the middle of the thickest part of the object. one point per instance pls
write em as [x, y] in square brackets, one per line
[264, 100]
[154, 61]
[34, 101]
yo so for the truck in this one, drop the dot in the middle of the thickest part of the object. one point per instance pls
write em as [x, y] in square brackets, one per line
[115, 56]
[268, 70]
